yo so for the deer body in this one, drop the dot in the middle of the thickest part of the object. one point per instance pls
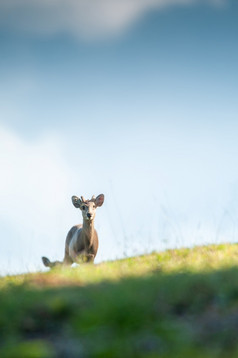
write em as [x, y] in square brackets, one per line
[81, 243]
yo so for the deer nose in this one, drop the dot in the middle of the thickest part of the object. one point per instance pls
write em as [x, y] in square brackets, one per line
[89, 215]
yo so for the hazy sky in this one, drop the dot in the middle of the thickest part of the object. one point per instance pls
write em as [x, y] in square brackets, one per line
[136, 99]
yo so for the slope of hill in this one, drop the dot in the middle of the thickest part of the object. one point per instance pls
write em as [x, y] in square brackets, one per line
[179, 303]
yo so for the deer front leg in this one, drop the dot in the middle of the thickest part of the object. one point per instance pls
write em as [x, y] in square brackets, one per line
[89, 258]
[82, 257]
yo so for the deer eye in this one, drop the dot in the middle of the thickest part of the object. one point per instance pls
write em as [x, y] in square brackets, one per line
[83, 207]
[94, 206]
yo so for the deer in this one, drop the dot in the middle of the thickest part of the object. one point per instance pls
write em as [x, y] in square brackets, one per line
[81, 244]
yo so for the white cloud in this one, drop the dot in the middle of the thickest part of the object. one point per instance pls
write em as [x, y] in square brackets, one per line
[32, 174]
[34, 192]
[81, 18]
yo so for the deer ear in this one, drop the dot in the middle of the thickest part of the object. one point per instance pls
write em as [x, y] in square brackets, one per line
[99, 200]
[76, 201]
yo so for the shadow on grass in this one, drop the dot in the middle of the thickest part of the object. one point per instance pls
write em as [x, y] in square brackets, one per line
[160, 315]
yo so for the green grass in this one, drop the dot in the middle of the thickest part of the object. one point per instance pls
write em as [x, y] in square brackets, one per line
[179, 303]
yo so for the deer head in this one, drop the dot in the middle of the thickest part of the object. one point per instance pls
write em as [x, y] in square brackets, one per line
[88, 207]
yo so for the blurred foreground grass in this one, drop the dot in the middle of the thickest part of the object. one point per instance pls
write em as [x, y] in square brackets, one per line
[179, 303]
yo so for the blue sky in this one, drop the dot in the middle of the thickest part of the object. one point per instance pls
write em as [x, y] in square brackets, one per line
[137, 100]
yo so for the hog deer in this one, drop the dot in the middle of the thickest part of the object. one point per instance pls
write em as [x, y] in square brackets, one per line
[81, 243]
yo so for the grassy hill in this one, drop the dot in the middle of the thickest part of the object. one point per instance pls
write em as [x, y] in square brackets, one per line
[179, 303]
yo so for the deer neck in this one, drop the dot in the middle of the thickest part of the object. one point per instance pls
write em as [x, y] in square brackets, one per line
[88, 229]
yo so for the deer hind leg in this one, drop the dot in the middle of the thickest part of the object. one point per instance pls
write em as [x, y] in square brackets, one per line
[67, 259]
[51, 264]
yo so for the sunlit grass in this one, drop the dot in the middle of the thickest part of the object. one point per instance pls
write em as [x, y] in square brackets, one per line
[198, 259]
